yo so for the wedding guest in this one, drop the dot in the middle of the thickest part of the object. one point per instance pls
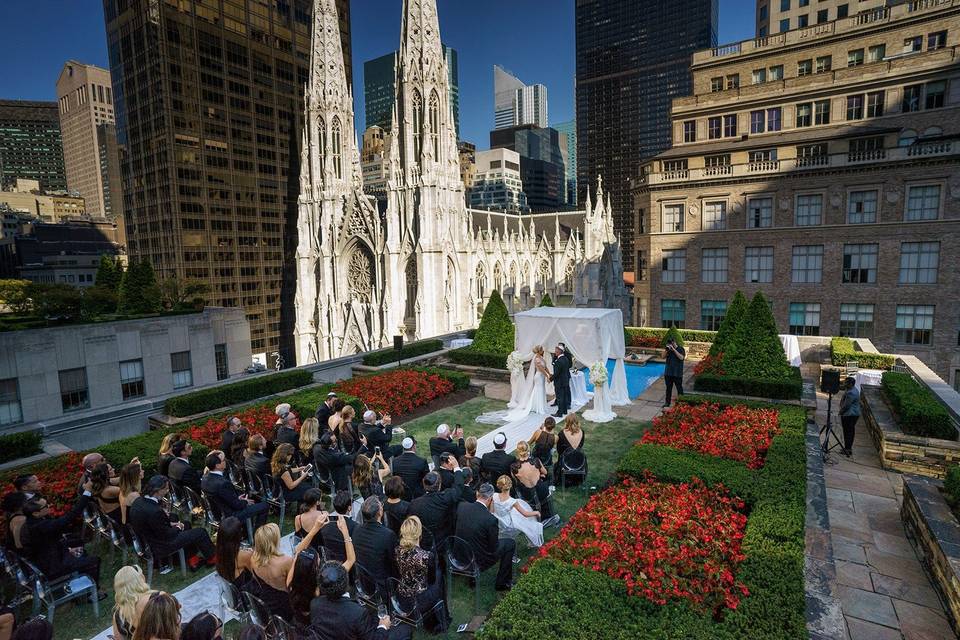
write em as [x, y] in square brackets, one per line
[268, 576]
[335, 616]
[203, 626]
[481, 532]
[309, 512]
[517, 514]
[375, 544]
[223, 495]
[291, 479]
[302, 579]
[437, 508]
[330, 536]
[234, 563]
[570, 438]
[543, 442]
[287, 432]
[226, 440]
[469, 459]
[419, 576]
[238, 449]
[160, 618]
[309, 434]
[395, 509]
[368, 481]
[13, 504]
[89, 461]
[131, 593]
[325, 410]
[28, 484]
[532, 478]
[165, 536]
[673, 373]
[330, 461]
[447, 441]
[180, 470]
[106, 493]
[346, 434]
[38, 628]
[256, 462]
[496, 463]
[336, 408]
[849, 414]
[131, 479]
[378, 433]
[469, 492]
[410, 468]
[165, 455]
[448, 462]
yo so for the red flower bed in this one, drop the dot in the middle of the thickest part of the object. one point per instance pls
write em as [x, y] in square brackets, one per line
[397, 392]
[667, 542]
[711, 364]
[735, 433]
[650, 342]
[255, 419]
[59, 477]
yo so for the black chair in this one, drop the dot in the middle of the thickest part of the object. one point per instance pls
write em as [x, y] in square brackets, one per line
[406, 608]
[237, 476]
[259, 612]
[573, 463]
[22, 587]
[461, 561]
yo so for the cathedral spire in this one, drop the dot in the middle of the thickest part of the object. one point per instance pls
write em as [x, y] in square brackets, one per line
[328, 78]
[420, 31]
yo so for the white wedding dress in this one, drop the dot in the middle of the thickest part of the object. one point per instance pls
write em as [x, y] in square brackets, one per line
[536, 402]
[511, 519]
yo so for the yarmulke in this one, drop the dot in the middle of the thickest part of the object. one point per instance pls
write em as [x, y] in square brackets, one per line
[407, 443]
[499, 439]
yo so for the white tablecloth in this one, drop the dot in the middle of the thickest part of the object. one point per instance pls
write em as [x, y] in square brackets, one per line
[869, 377]
[792, 348]
[457, 343]
[578, 389]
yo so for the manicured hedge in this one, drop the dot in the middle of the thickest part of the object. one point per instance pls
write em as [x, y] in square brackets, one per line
[788, 389]
[496, 331]
[412, 350]
[230, 394]
[951, 484]
[842, 351]
[687, 335]
[459, 379]
[474, 358]
[919, 413]
[20, 445]
[146, 446]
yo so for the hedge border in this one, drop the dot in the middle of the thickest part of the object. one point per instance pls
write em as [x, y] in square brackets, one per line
[688, 335]
[918, 411]
[842, 350]
[22, 444]
[791, 389]
[411, 350]
[227, 395]
[470, 357]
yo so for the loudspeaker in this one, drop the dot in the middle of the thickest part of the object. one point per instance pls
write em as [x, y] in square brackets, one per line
[830, 380]
[398, 342]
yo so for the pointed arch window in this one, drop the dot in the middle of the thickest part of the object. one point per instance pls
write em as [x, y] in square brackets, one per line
[481, 278]
[336, 151]
[410, 275]
[435, 125]
[417, 126]
[321, 144]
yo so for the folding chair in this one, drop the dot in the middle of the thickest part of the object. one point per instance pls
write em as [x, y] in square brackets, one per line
[145, 553]
[368, 591]
[573, 463]
[461, 561]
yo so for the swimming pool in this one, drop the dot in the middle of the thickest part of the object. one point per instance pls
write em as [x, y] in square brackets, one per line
[639, 376]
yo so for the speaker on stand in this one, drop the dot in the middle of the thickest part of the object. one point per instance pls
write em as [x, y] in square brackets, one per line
[829, 384]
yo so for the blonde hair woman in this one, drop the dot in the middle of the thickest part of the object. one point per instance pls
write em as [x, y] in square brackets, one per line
[417, 569]
[516, 514]
[131, 593]
[309, 434]
[533, 487]
[470, 459]
[269, 571]
[165, 455]
[346, 436]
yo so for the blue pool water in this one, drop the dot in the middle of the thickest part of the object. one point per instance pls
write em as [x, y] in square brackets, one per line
[639, 376]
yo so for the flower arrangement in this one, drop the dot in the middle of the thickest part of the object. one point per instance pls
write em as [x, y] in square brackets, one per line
[515, 362]
[397, 392]
[712, 364]
[734, 432]
[666, 542]
[598, 373]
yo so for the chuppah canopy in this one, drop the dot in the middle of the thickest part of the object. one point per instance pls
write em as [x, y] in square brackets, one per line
[592, 335]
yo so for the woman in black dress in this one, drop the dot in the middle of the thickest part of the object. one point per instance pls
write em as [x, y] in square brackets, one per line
[302, 578]
[292, 480]
[395, 508]
[572, 437]
[543, 441]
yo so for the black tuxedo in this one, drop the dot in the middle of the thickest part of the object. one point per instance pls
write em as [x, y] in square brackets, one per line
[376, 545]
[394, 513]
[226, 442]
[153, 525]
[323, 416]
[561, 382]
[410, 468]
[494, 464]
[481, 531]
[226, 502]
[44, 546]
[446, 478]
[345, 619]
[446, 445]
[286, 435]
[163, 464]
[378, 435]
[183, 474]
[257, 464]
[331, 539]
[333, 462]
[437, 510]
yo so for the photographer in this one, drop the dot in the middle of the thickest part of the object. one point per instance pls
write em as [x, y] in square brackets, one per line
[849, 414]
[673, 373]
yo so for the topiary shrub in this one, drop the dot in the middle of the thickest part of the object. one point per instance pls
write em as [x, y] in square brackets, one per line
[735, 312]
[496, 332]
[546, 301]
[919, 413]
[672, 334]
[755, 350]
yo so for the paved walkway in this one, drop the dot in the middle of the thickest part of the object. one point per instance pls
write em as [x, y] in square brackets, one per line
[882, 588]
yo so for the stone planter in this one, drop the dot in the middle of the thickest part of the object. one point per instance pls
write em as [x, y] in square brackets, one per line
[928, 518]
[900, 451]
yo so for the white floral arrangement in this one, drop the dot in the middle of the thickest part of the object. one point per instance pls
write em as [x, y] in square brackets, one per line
[515, 362]
[598, 373]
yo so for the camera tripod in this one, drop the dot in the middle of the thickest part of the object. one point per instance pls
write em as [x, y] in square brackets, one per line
[827, 434]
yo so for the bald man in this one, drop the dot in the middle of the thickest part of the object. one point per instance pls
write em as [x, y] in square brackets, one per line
[90, 461]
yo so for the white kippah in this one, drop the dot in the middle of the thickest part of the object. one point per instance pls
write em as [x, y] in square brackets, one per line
[407, 443]
[499, 439]
[369, 415]
[282, 409]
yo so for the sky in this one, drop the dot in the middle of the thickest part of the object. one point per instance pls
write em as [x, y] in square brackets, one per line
[534, 39]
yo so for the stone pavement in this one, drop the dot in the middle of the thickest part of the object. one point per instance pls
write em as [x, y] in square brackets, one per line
[882, 587]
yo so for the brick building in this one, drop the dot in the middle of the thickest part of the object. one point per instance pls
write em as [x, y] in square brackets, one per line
[820, 166]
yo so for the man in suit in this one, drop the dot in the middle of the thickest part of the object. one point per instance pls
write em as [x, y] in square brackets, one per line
[481, 531]
[447, 441]
[496, 463]
[287, 432]
[378, 433]
[330, 537]
[335, 616]
[561, 379]
[410, 468]
[375, 543]
[223, 495]
[166, 536]
[325, 410]
[447, 462]
[180, 470]
[330, 461]
[437, 508]
[469, 493]
[226, 440]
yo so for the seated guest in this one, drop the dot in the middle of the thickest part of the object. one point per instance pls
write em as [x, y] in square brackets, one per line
[89, 461]
[256, 462]
[368, 481]
[281, 411]
[470, 460]
[13, 504]
[234, 563]
[335, 417]
[28, 484]
[310, 510]
[291, 479]
[437, 508]
[238, 449]
[330, 462]
[532, 481]
[570, 438]
[131, 479]
[419, 576]
[131, 593]
[378, 433]
[309, 434]
[160, 618]
[375, 544]
[335, 616]
[469, 492]
[330, 536]
[166, 536]
[165, 456]
[325, 410]
[226, 440]
[515, 514]
[223, 494]
[447, 442]
[496, 463]
[106, 493]
[543, 441]
[180, 470]
[287, 432]
[38, 628]
[481, 532]
[203, 626]
[268, 576]
[346, 433]
[447, 464]
[395, 509]
[410, 468]
[302, 579]
[44, 543]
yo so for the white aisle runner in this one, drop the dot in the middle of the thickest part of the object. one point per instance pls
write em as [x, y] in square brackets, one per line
[515, 431]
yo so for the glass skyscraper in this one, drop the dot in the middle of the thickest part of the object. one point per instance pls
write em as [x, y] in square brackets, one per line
[30, 144]
[633, 58]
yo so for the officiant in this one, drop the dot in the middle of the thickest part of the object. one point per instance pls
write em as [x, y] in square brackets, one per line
[562, 362]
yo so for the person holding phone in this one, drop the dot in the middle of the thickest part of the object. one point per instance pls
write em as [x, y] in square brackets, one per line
[673, 373]
[447, 441]
[291, 479]
[378, 433]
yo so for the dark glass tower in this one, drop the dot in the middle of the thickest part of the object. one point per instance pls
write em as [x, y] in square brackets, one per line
[633, 58]
[209, 99]
[542, 168]
[30, 144]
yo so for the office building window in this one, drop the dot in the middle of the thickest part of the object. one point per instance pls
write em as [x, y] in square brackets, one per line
[860, 263]
[182, 372]
[785, 24]
[758, 264]
[923, 202]
[856, 320]
[733, 81]
[805, 67]
[784, 5]
[802, 21]
[757, 121]
[674, 266]
[842, 11]
[875, 101]
[714, 265]
[712, 313]
[913, 44]
[673, 313]
[776, 72]
[855, 58]
[714, 129]
[131, 379]
[914, 324]
[763, 155]
[763, 12]
[855, 107]
[809, 209]
[821, 112]
[220, 359]
[911, 98]
[822, 16]
[719, 160]
[774, 119]
[919, 262]
[690, 131]
[759, 213]
[804, 114]
[672, 217]
[805, 318]
[876, 53]
[862, 207]
[824, 63]
[759, 76]
[729, 126]
[716, 84]
[74, 394]
[715, 216]
[807, 264]
[937, 40]
[10, 409]
[935, 94]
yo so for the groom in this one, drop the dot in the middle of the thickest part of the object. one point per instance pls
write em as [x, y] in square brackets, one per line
[561, 379]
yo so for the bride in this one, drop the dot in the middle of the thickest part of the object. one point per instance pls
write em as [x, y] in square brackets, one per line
[536, 402]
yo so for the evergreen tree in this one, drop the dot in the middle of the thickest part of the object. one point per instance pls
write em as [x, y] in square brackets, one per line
[546, 301]
[139, 291]
[755, 350]
[109, 274]
[673, 334]
[738, 306]
[496, 332]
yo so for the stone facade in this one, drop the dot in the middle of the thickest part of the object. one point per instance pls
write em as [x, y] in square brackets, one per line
[810, 187]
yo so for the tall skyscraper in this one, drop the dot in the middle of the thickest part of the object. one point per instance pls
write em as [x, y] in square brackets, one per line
[633, 58]
[516, 104]
[30, 144]
[85, 100]
[568, 142]
[209, 102]
[542, 168]
[379, 88]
